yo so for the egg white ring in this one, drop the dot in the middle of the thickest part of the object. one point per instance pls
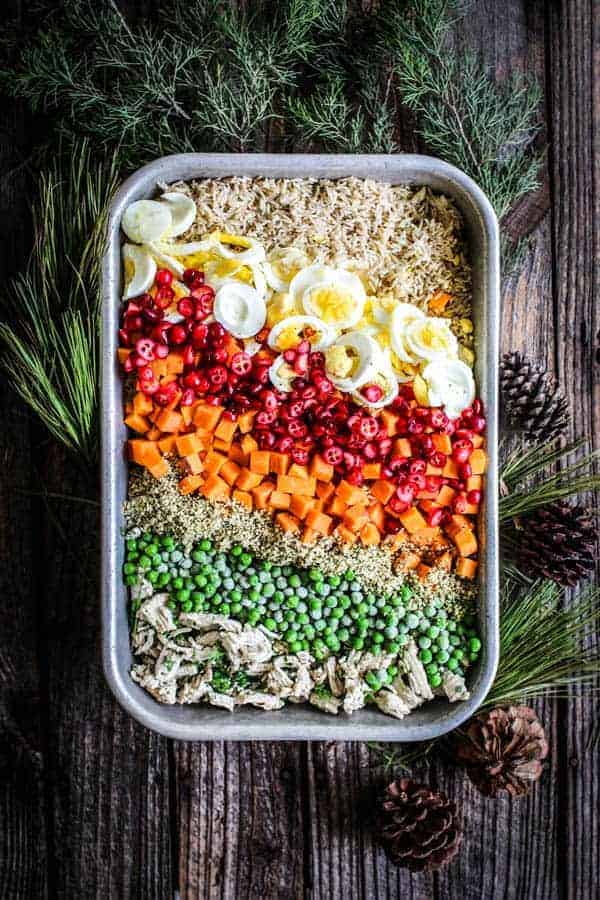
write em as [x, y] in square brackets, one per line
[441, 373]
[370, 356]
[321, 327]
[402, 316]
[184, 248]
[388, 396]
[428, 353]
[169, 262]
[182, 209]
[281, 382]
[146, 220]
[249, 299]
[253, 254]
[144, 270]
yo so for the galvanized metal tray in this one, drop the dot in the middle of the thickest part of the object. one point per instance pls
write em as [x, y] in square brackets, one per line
[196, 722]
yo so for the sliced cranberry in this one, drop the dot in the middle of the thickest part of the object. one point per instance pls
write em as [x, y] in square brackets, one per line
[161, 351]
[478, 424]
[166, 394]
[266, 440]
[438, 459]
[177, 334]
[465, 471]
[417, 467]
[300, 456]
[405, 493]
[460, 504]
[368, 427]
[399, 506]
[474, 497]
[297, 429]
[461, 450]
[355, 477]
[373, 393]
[333, 455]
[432, 483]
[438, 419]
[186, 307]
[434, 517]
[217, 375]
[241, 363]
[193, 275]
[391, 525]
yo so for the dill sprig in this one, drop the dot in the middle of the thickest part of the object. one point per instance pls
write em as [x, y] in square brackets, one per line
[51, 312]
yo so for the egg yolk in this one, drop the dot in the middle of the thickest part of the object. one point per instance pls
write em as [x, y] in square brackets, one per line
[331, 304]
[341, 361]
[129, 269]
[432, 337]
[280, 307]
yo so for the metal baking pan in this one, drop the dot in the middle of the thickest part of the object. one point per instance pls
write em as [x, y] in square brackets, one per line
[297, 722]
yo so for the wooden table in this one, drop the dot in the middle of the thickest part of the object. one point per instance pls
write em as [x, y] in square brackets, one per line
[92, 805]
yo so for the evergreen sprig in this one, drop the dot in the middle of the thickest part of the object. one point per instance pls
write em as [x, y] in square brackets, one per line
[49, 333]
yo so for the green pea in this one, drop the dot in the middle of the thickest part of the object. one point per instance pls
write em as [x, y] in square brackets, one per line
[425, 656]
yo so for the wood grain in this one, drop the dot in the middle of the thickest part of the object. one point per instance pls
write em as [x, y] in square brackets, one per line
[92, 805]
[574, 121]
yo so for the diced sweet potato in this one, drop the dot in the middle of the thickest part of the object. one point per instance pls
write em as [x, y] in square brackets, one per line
[188, 444]
[444, 561]
[319, 521]
[190, 483]
[237, 455]
[248, 444]
[377, 514]
[350, 494]
[369, 534]
[325, 490]
[144, 453]
[438, 302]
[309, 536]
[300, 505]
[137, 423]
[423, 571]
[450, 470]
[402, 447]
[159, 367]
[336, 507]
[425, 536]
[412, 520]
[408, 561]
[432, 470]
[442, 443]
[244, 498]
[466, 542]
[259, 462]
[225, 430]
[220, 444]
[214, 488]
[174, 363]
[193, 464]
[383, 491]
[355, 517]
[245, 421]
[142, 405]
[445, 496]
[346, 535]
[287, 522]
[207, 416]
[280, 500]
[214, 462]
[169, 420]
[167, 444]
[371, 471]
[290, 485]
[229, 472]
[466, 568]
[159, 469]
[478, 440]
[297, 471]
[474, 483]
[278, 463]
[262, 493]
[478, 461]
[390, 420]
[122, 355]
[319, 469]
[247, 480]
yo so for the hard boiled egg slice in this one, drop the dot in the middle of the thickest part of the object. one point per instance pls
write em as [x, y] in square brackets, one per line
[450, 384]
[139, 270]
[288, 333]
[280, 307]
[386, 381]
[352, 360]
[146, 220]
[430, 338]
[167, 261]
[334, 295]
[244, 250]
[403, 315]
[240, 309]
[282, 375]
[283, 264]
[182, 209]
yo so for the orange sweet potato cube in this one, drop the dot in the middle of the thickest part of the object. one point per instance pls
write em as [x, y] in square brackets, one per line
[300, 505]
[412, 520]
[287, 522]
[229, 472]
[247, 480]
[466, 542]
[383, 491]
[159, 469]
[244, 498]
[207, 416]
[259, 462]
[279, 463]
[319, 521]
[225, 430]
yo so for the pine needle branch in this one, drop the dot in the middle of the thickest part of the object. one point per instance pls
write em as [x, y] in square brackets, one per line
[51, 313]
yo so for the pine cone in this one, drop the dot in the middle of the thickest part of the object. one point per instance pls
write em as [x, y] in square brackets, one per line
[558, 542]
[502, 750]
[531, 400]
[417, 826]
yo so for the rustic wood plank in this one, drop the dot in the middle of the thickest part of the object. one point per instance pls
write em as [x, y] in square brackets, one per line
[108, 778]
[23, 843]
[574, 123]
[241, 821]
